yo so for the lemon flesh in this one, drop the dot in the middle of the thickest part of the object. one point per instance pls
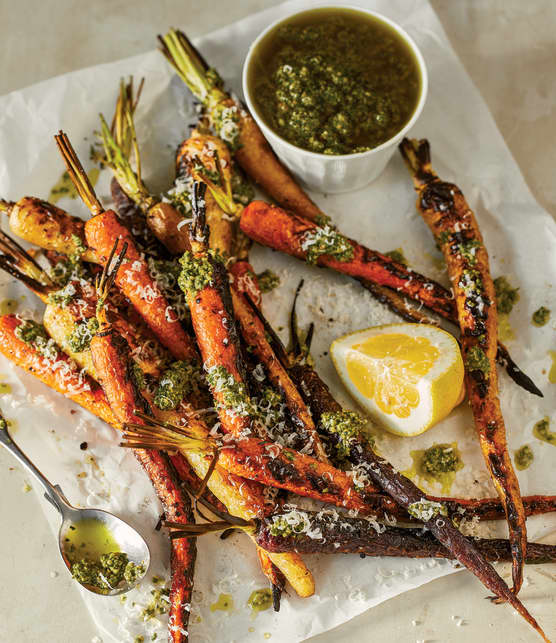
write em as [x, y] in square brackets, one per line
[408, 377]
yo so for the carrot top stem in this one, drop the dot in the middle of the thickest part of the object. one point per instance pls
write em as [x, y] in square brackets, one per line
[189, 65]
[118, 142]
[125, 107]
[77, 174]
[106, 280]
[19, 263]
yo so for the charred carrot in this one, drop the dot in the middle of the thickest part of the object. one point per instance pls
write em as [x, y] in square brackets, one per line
[454, 226]
[207, 159]
[109, 352]
[70, 322]
[325, 246]
[47, 226]
[232, 123]
[253, 334]
[133, 279]
[329, 532]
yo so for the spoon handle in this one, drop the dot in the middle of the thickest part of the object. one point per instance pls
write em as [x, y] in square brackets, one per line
[53, 493]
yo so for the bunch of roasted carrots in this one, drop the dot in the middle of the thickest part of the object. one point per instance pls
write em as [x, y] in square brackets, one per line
[153, 322]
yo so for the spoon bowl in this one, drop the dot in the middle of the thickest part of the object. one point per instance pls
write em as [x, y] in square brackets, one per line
[123, 538]
[127, 538]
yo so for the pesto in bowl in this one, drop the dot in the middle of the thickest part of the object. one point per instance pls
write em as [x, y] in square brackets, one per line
[334, 81]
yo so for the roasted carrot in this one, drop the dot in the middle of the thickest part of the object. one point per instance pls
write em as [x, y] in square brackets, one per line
[46, 225]
[218, 342]
[232, 123]
[253, 334]
[70, 320]
[101, 231]
[27, 344]
[323, 245]
[273, 226]
[161, 218]
[110, 358]
[328, 532]
[207, 159]
[454, 226]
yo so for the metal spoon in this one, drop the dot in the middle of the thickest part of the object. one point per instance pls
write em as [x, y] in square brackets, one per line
[128, 539]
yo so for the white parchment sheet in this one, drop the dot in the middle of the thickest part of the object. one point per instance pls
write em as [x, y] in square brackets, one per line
[467, 149]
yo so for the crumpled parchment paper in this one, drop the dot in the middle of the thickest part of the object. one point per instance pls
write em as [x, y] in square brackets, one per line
[467, 149]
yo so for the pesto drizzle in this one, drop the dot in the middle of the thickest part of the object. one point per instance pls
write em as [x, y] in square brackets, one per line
[326, 241]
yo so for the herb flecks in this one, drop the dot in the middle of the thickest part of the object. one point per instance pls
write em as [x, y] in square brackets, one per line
[347, 426]
[196, 272]
[327, 241]
[178, 381]
[268, 280]
[79, 339]
[541, 316]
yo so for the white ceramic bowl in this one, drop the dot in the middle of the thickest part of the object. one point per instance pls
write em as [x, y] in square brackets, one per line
[342, 173]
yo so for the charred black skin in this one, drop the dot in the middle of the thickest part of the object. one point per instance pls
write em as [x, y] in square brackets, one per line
[358, 536]
[399, 488]
[134, 219]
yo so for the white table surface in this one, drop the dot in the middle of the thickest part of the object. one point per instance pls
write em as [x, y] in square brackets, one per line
[509, 49]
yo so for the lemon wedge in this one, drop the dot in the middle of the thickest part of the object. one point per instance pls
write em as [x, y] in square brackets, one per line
[407, 376]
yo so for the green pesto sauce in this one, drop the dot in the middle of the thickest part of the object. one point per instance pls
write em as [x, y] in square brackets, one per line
[471, 283]
[108, 572]
[397, 255]
[64, 187]
[196, 272]
[8, 306]
[437, 464]
[476, 360]
[347, 426]
[334, 81]
[180, 379]
[281, 528]
[506, 295]
[523, 457]
[139, 377]
[325, 241]
[80, 337]
[268, 280]
[225, 603]
[34, 334]
[159, 603]
[232, 393]
[243, 191]
[260, 600]
[541, 316]
[95, 557]
[467, 249]
[270, 407]
[542, 431]
[425, 510]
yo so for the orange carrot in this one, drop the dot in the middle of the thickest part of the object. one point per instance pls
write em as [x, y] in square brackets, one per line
[274, 227]
[110, 357]
[54, 368]
[133, 278]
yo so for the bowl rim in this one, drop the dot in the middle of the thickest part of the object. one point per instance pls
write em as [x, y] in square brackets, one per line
[270, 133]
